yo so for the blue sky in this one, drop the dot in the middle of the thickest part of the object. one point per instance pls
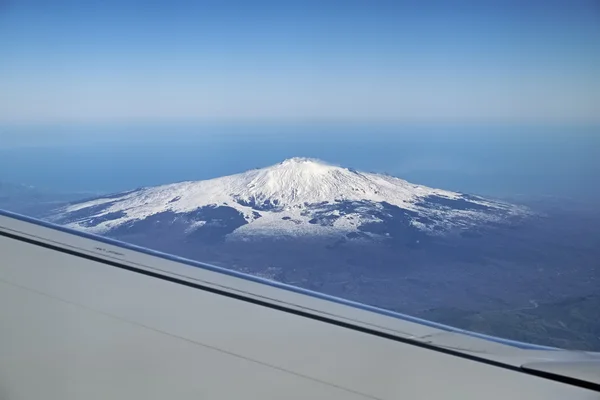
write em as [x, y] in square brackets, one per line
[370, 61]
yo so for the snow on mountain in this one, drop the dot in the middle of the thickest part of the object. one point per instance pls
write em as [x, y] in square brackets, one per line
[297, 196]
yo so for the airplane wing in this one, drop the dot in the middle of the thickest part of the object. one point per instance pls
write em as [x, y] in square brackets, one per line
[85, 317]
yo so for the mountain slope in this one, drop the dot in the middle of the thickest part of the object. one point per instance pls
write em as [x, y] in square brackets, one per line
[298, 196]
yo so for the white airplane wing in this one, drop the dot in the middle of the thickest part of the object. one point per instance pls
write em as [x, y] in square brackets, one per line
[84, 317]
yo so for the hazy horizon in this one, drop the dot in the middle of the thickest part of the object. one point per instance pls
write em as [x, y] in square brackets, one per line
[491, 97]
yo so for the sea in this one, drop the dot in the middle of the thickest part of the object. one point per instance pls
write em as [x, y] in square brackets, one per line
[492, 160]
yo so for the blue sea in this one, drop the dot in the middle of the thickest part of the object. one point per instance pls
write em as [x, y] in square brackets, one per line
[490, 160]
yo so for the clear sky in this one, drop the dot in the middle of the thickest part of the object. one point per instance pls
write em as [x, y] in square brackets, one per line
[506, 61]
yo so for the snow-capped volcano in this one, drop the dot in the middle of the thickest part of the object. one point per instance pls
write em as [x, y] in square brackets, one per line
[296, 196]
